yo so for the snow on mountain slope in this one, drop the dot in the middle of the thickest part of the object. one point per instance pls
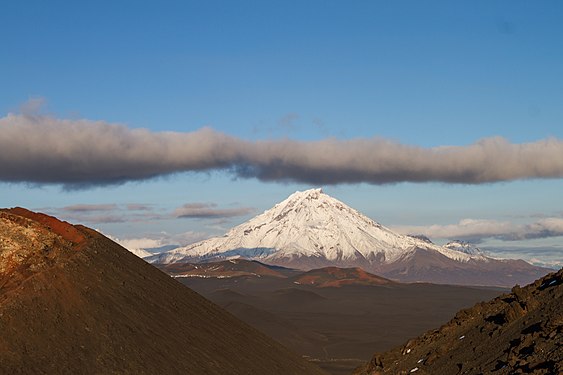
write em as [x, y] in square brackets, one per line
[132, 246]
[314, 225]
[464, 247]
[312, 230]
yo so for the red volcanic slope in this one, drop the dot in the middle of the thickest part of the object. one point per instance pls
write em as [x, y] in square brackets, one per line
[62, 228]
[73, 301]
[337, 277]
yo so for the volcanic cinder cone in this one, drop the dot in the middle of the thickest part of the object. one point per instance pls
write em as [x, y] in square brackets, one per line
[72, 301]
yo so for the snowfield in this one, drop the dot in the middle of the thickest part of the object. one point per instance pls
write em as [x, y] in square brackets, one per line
[311, 224]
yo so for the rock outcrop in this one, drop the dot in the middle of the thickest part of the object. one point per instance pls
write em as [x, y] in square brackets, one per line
[517, 333]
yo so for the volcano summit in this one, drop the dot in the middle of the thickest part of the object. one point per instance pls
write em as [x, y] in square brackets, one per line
[310, 230]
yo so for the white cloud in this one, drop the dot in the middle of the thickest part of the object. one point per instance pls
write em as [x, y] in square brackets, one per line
[158, 240]
[543, 256]
[140, 243]
[476, 230]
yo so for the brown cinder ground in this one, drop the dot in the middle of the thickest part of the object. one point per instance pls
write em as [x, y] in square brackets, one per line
[517, 333]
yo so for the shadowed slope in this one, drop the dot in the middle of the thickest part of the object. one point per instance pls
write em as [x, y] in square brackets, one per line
[519, 332]
[338, 327]
[72, 301]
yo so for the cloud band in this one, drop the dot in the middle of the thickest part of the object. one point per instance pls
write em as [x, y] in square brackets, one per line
[81, 153]
[477, 230]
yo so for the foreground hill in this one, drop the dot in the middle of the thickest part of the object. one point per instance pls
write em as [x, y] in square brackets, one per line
[73, 301]
[312, 230]
[516, 333]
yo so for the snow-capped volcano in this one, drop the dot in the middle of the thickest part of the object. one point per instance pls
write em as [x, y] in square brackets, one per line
[310, 224]
[310, 229]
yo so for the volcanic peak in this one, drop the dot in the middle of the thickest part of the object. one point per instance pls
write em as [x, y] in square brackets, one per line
[311, 229]
[314, 225]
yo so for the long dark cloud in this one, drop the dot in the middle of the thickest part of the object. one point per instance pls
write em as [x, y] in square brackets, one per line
[106, 213]
[139, 207]
[209, 211]
[81, 153]
[90, 207]
[139, 212]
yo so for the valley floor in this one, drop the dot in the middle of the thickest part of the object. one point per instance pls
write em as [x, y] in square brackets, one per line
[338, 328]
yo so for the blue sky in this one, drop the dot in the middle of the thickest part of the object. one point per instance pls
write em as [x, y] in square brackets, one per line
[419, 74]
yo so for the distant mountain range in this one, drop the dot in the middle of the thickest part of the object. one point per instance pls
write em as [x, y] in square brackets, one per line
[311, 230]
[233, 268]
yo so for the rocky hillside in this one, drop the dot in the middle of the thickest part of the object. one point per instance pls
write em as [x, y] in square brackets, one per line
[516, 333]
[73, 301]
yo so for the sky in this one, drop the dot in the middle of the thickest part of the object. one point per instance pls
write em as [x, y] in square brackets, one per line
[164, 123]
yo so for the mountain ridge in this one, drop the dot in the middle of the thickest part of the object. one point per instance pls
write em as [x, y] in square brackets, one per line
[311, 230]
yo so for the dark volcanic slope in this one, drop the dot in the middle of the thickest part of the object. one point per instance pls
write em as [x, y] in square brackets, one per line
[516, 333]
[72, 301]
[338, 327]
[226, 268]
